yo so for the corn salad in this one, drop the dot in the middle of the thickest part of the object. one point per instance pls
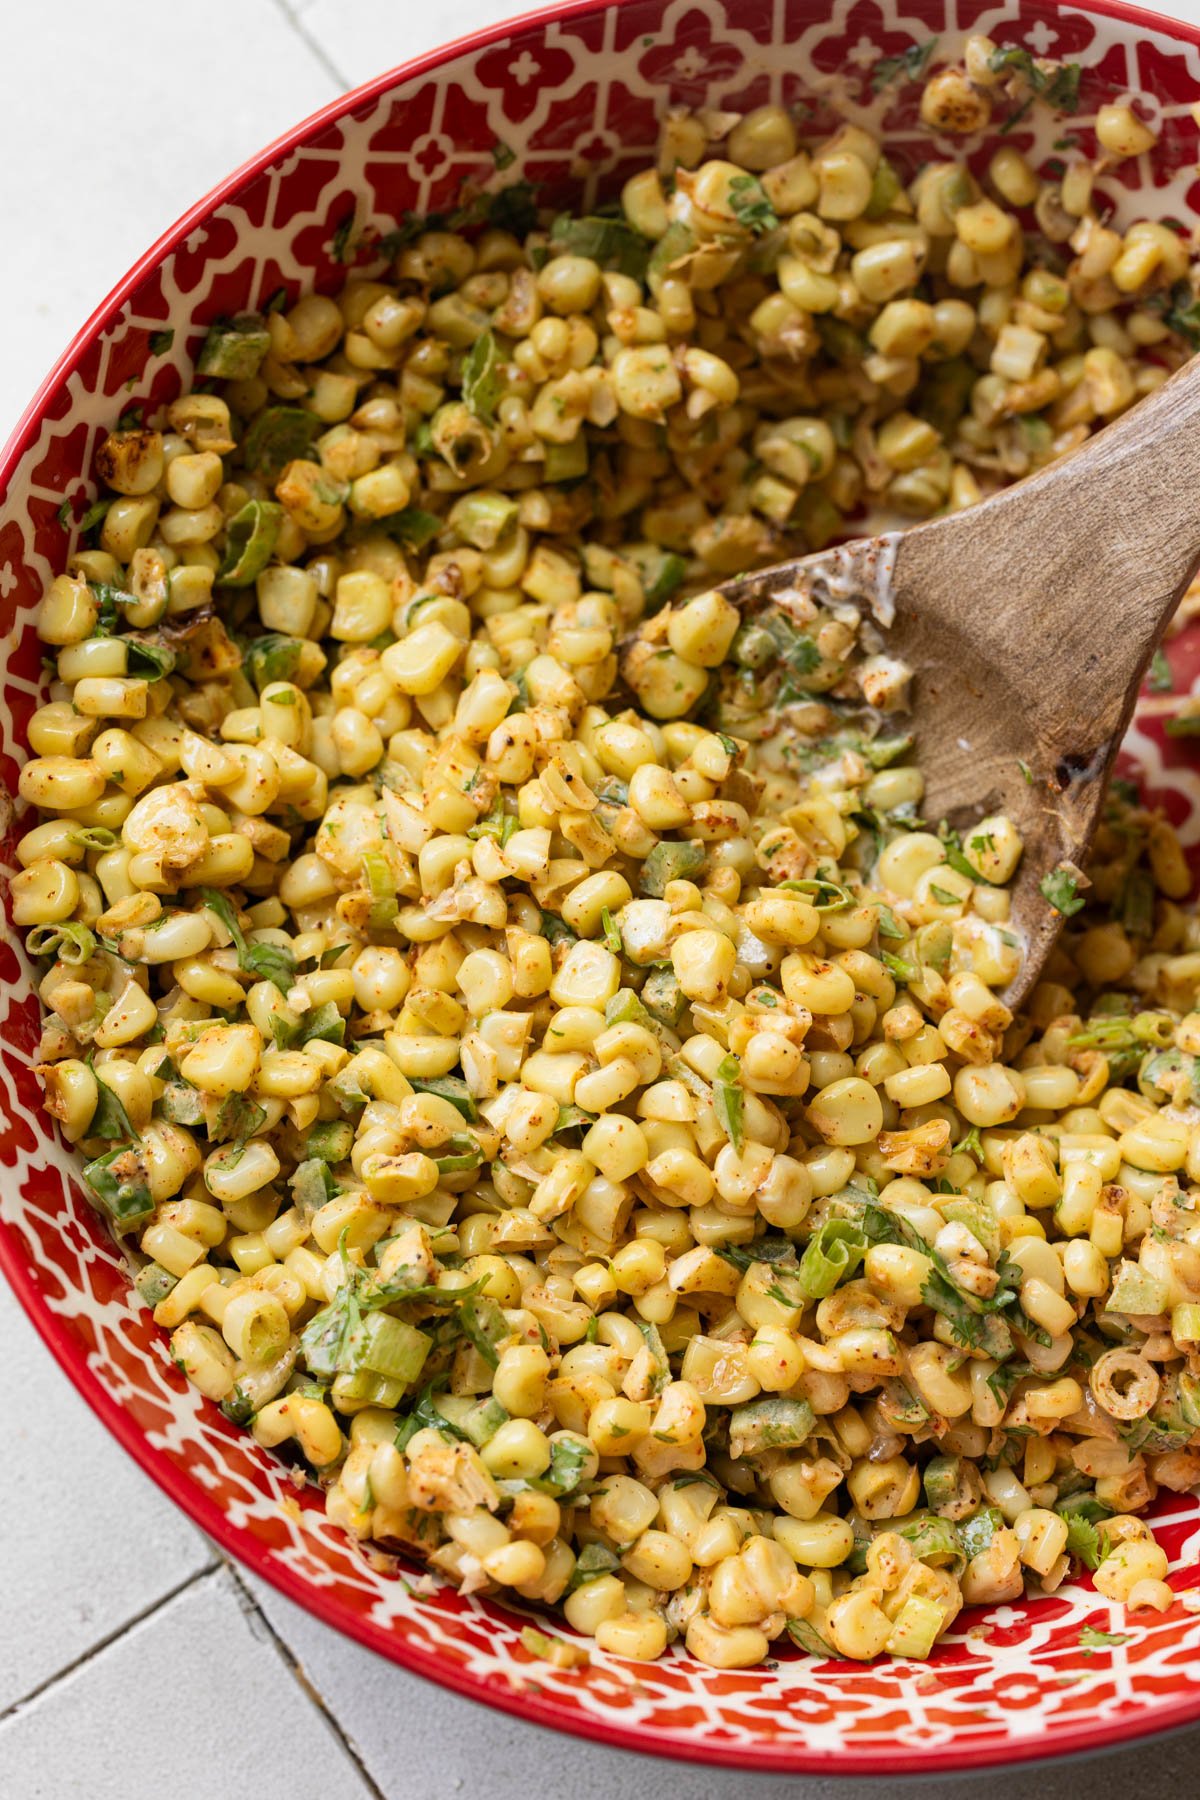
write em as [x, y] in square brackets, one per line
[549, 1077]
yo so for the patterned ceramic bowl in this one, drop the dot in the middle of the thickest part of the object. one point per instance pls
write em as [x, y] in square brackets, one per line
[571, 101]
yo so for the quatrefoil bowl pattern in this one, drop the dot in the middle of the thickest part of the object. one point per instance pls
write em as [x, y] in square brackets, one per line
[569, 100]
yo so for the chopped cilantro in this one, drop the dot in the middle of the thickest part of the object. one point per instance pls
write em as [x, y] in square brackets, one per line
[95, 515]
[270, 962]
[340, 247]
[1083, 1540]
[1060, 888]
[909, 65]
[1183, 314]
[751, 208]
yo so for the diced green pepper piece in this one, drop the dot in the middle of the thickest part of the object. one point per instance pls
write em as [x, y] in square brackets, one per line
[663, 580]
[625, 1008]
[154, 1283]
[325, 1022]
[331, 1141]
[593, 1561]
[234, 348]
[120, 1181]
[449, 1087]
[483, 1420]
[934, 1540]
[312, 1186]
[566, 462]
[386, 1346]
[834, 1250]
[663, 998]
[365, 1388]
[916, 1627]
[181, 1104]
[1136, 1290]
[977, 1532]
[773, 1423]
[670, 862]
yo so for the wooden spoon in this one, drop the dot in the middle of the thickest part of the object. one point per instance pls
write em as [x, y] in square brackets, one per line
[1029, 621]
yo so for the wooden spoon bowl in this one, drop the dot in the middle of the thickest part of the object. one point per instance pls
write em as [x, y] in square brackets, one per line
[1028, 622]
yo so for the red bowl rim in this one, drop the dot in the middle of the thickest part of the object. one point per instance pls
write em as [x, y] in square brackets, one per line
[240, 1543]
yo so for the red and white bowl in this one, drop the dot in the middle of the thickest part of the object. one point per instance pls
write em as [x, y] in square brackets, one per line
[570, 100]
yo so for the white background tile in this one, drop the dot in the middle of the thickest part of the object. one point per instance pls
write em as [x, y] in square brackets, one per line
[88, 1543]
[195, 1703]
[122, 118]
[116, 118]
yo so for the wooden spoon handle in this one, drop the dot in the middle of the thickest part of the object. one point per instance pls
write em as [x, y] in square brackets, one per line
[1073, 574]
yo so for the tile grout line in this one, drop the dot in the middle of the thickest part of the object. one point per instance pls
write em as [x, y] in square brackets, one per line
[312, 44]
[304, 1681]
[106, 1642]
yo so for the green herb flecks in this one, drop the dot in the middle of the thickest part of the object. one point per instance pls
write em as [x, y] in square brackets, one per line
[751, 208]
[120, 1181]
[909, 65]
[1061, 889]
[1056, 84]
[269, 962]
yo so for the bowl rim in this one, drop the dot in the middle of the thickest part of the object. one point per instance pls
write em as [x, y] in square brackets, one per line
[533, 1706]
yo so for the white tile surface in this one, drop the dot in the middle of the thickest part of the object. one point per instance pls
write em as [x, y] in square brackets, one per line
[370, 36]
[195, 1703]
[114, 121]
[123, 120]
[88, 1542]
